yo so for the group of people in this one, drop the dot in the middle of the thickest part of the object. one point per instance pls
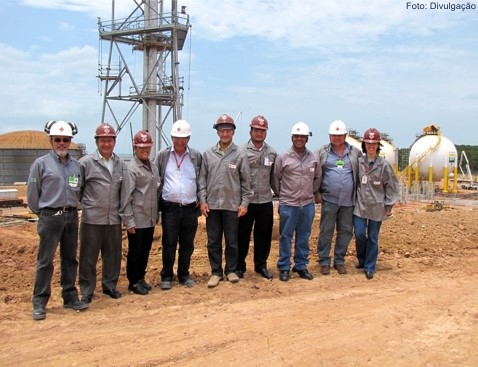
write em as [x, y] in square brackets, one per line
[231, 186]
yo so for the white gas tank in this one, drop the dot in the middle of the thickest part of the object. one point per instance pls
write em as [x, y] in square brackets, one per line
[433, 151]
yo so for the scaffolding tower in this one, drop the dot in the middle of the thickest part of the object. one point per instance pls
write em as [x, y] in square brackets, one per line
[158, 30]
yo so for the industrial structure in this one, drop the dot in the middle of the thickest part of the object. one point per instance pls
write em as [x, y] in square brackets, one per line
[158, 30]
[432, 158]
[389, 151]
[19, 149]
[467, 181]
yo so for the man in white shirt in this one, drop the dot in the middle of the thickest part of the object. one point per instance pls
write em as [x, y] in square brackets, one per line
[179, 167]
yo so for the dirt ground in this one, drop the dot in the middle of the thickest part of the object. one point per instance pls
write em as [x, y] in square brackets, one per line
[421, 308]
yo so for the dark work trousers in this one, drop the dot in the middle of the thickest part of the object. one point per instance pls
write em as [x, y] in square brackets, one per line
[139, 246]
[93, 239]
[261, 217]
[219, 222]
[56, 227]
[179, 225]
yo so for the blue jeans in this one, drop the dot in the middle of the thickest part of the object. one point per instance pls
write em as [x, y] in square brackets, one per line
[219, 222]
[366, 242]
[56, 228]
[334, 217]
[295, 220]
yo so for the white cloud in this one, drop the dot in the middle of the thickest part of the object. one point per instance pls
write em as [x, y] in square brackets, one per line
[65, 27]
[49, 86]
[102, 8]
[325, 25]
[366, 62]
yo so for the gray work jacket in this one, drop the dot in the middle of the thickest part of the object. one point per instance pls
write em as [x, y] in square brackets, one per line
[225, 182]
[261, 163]
[139, 194]
[52, 183]
[378, 192]
[100, 190]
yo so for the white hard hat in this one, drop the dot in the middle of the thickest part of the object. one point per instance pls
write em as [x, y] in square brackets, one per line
[337, 127]
[60, 128]
[301, 128]
[181, 129]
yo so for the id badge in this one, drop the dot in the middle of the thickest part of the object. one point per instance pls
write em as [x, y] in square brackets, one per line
[339, 163]
[73, 181]
[364, 179]
[178, 175]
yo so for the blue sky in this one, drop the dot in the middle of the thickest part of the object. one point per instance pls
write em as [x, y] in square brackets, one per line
[370, 63]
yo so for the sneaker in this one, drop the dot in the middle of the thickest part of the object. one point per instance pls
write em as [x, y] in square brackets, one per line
[325, 269]
[76, 305]
[39, 313]
[166, 285]
[188, 282]
[340, 268]
[214, 281]
[145, 285]
[232, 277]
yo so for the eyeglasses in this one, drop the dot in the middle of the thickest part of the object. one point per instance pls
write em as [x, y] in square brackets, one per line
[64, 140]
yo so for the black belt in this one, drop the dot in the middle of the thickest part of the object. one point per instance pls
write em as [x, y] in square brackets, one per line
[170, 203]
[62, 208]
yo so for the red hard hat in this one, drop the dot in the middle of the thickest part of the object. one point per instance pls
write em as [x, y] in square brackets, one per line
[372, 135]
[105, 130]
[259, 122]
[142, 139]
[223, 121]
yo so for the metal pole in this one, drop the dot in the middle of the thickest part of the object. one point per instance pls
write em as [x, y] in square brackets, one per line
[150, 74]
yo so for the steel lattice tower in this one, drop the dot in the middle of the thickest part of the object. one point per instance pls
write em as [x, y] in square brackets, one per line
[158, 30]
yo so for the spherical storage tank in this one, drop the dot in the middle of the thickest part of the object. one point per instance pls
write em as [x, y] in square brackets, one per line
[435, 151]
[355, 142]
[389, 152]
[354, 139]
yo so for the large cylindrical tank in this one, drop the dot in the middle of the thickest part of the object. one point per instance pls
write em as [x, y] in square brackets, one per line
[433, 151]
[19, 149]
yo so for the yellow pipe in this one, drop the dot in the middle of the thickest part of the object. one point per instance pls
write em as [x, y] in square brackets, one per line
[445, 180]
[430, 173]
[455, 179]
